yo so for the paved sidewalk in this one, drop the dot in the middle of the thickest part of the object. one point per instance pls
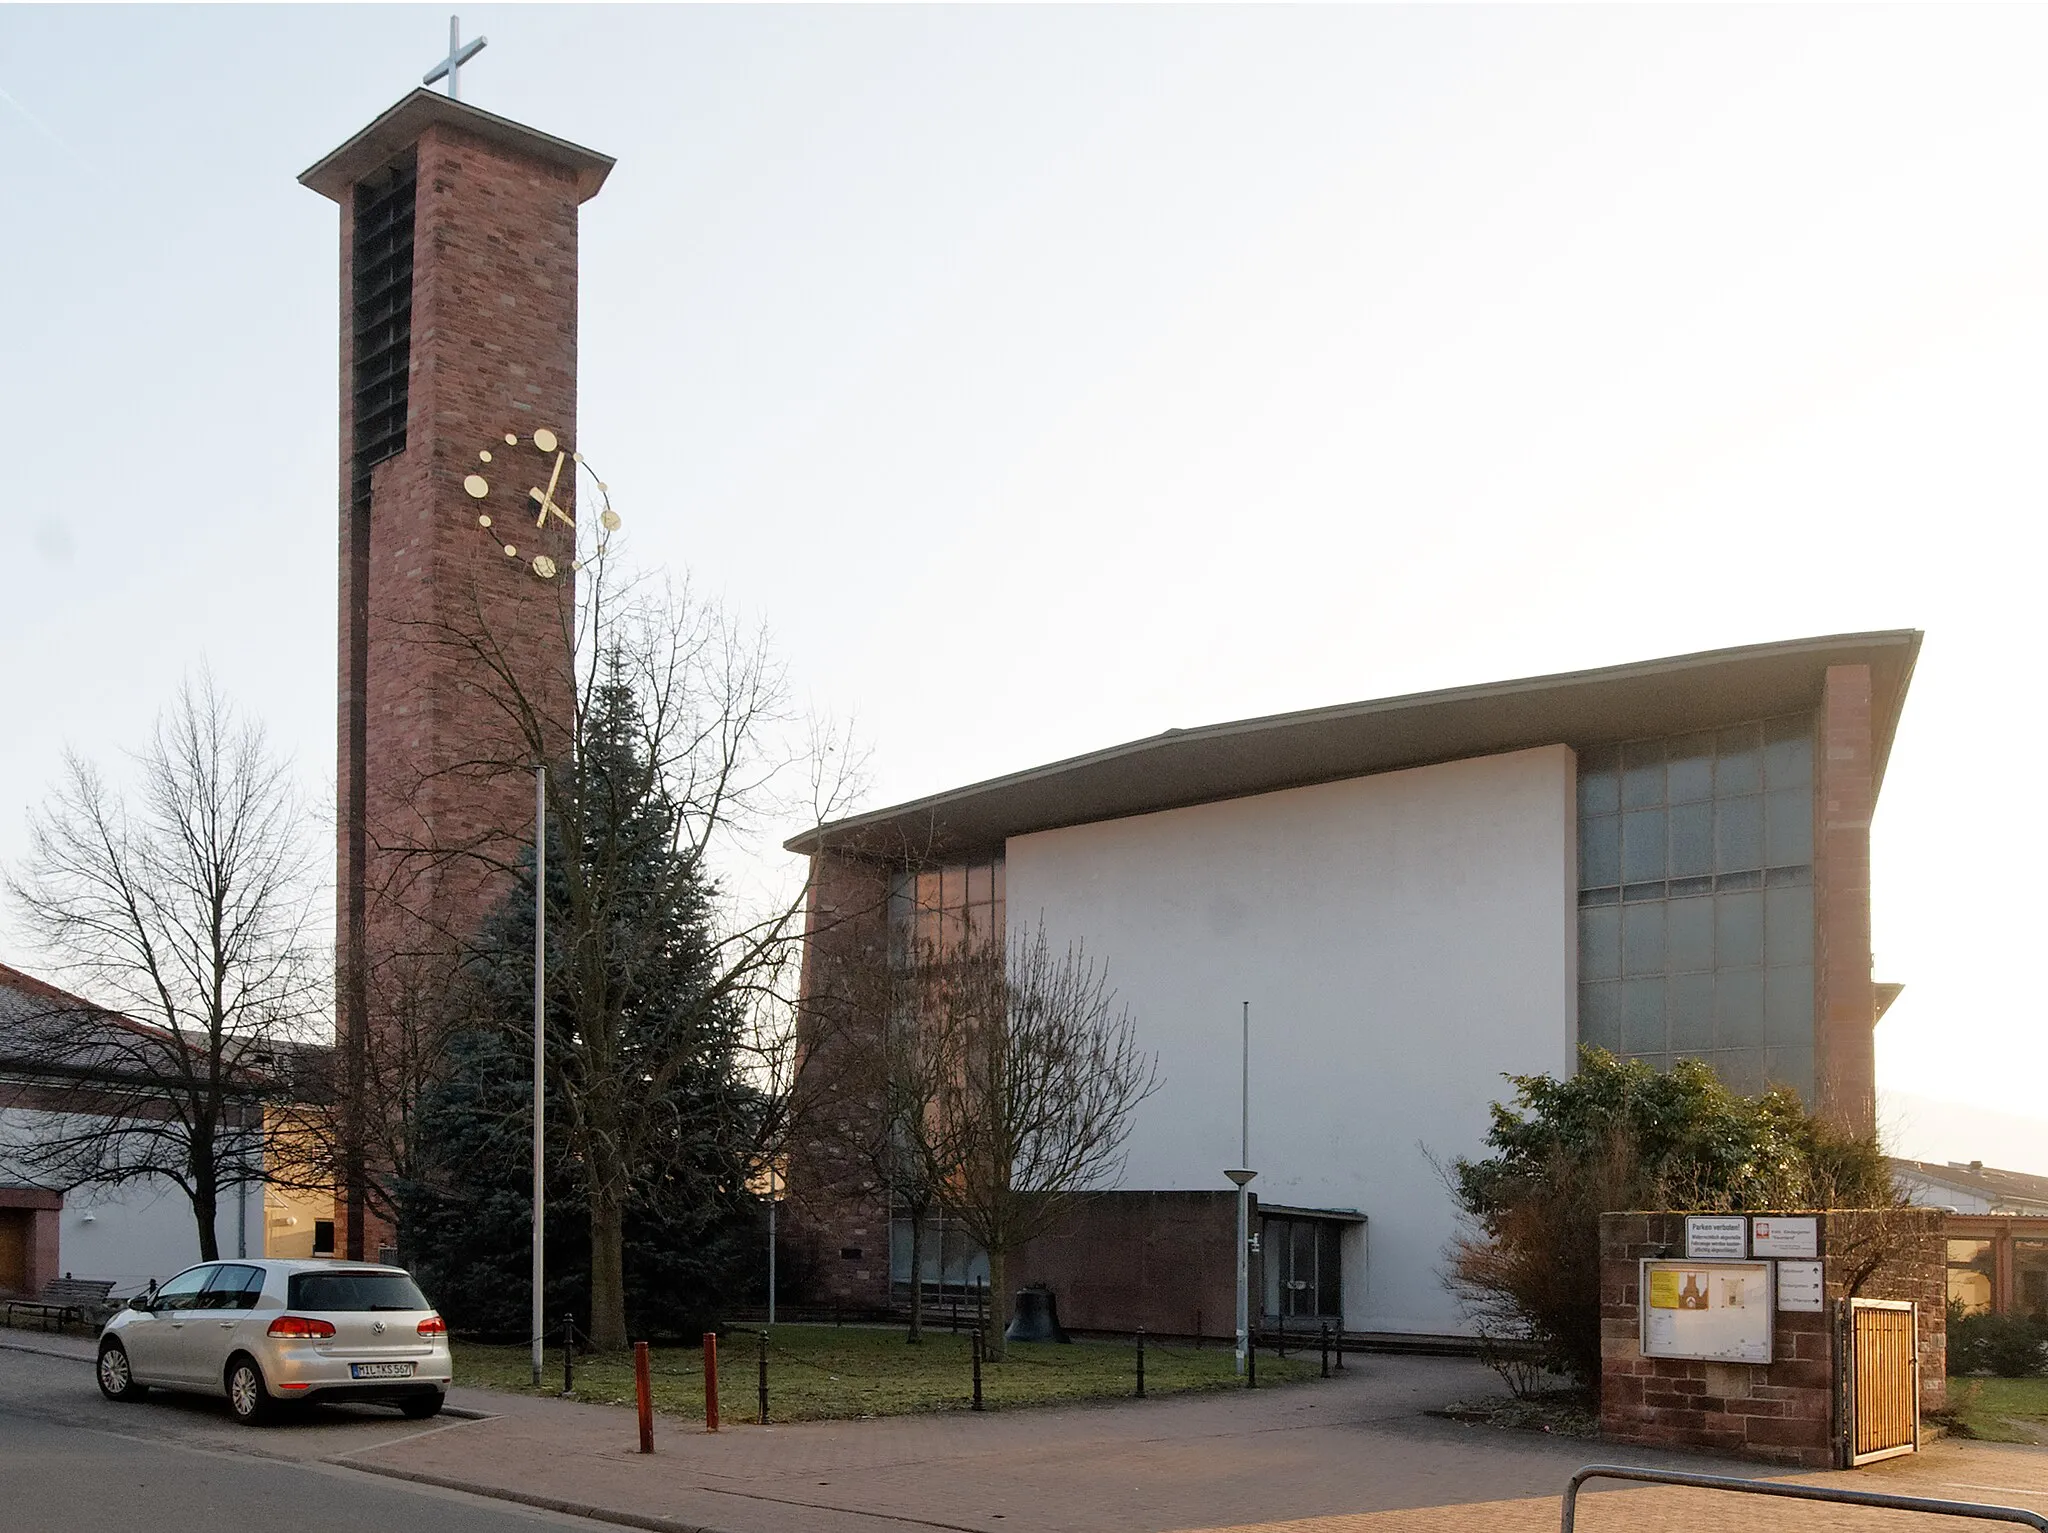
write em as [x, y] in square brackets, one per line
[47, 1343]
[1356, 1455]
[1350, 1456]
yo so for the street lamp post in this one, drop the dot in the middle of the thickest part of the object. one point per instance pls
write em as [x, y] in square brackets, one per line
[1242, 1175]
[540, 998]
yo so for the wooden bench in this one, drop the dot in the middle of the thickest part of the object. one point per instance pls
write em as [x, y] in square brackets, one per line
[67, 1298]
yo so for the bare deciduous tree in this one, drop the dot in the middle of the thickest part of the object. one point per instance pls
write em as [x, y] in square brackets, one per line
[369, 1098]
[875, 1089]
[183, 918]
[1035, 1072]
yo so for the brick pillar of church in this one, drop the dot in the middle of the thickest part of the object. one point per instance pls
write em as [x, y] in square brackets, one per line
[838, 1224]
[1845, 795]
[458, 325]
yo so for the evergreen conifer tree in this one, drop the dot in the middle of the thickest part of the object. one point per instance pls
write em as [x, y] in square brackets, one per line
[650, 1115]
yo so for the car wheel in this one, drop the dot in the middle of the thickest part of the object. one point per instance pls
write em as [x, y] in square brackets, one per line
[420, 1407]
[247, 1397]
[117, 1379]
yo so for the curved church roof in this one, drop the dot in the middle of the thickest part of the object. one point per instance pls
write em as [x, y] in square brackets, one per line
[1290, 750]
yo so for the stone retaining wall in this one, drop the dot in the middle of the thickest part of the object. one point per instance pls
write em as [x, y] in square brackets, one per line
[1783, 1412]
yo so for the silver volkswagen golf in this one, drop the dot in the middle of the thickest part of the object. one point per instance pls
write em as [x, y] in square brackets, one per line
[268, 1333]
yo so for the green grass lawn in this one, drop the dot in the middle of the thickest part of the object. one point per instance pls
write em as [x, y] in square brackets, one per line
[826, 1373]
[2002, 1410]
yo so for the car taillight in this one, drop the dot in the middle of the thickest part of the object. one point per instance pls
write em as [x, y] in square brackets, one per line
[288, 1326]
[433, 1325]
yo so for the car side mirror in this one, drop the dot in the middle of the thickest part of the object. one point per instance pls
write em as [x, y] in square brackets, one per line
[146, 1300]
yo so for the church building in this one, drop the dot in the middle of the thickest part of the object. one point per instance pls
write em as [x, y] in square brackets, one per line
[1415, 896]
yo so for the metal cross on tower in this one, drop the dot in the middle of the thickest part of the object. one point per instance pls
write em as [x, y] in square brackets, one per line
[459, 53]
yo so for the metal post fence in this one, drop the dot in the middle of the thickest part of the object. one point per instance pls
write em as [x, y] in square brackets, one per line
[764, 1378]
[1323, 1337]
[643, 1396]
[1141, 1362]
[1979, 1510]
[711, 1381]
[569, 1353]
[977, 1369]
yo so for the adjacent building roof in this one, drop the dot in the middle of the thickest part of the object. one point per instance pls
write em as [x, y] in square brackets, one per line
[378, 144]
[1290, 750]
[2016, 1192]
[49, 1034]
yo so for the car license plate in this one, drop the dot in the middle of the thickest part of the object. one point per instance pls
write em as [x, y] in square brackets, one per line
[380, 1370]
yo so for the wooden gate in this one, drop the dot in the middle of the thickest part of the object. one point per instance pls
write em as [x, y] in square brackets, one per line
[1883, 1374]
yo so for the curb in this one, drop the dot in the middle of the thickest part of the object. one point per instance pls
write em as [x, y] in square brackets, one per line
[527, 1498]
[8, 1344]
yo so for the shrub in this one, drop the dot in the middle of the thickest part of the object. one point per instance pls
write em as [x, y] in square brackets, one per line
[2010, 1346]
[1619, 1135]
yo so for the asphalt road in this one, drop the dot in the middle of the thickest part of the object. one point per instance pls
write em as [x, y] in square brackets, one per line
[72, 1462]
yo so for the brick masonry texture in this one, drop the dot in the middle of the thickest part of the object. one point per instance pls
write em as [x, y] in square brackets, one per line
[838, 1222]
[1783, 1413]
[445, 790]
[1163, 1261]
[1845, 1000]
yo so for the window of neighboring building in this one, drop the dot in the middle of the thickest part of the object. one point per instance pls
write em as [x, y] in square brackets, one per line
[2030, 1277]
[1303, 1267]
[1696, 901]
[1971, 1272]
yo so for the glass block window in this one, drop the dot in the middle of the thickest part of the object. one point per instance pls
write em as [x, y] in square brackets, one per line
[946, 909]
[955, 1266]
[1696, 901]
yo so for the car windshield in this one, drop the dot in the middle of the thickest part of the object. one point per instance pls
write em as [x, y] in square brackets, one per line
[355, 1291]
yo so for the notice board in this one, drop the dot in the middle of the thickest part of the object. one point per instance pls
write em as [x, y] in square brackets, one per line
[1716, 1310]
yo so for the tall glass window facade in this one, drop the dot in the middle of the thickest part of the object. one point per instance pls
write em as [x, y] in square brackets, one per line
[1696, 901]
[940, 913]
[941, 910]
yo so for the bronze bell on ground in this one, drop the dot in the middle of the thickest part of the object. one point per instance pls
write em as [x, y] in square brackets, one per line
[1037, 1317]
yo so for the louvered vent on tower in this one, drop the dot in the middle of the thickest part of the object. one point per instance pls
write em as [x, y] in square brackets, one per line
[382, 320]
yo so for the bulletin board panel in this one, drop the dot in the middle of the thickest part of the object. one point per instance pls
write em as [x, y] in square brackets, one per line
[1719, 1311]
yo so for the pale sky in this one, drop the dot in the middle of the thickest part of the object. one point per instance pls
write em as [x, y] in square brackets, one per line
[1046, 378]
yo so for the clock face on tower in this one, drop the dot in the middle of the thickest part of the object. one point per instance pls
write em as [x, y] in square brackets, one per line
[501, 479]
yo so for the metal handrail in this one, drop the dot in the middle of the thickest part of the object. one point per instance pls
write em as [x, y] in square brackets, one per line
[1983, 1511]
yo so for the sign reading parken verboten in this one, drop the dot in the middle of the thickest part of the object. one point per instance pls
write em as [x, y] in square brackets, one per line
[1713, 1237]
[1720, 1311]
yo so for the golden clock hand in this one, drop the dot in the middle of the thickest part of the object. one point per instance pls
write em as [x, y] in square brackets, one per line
[547, 501]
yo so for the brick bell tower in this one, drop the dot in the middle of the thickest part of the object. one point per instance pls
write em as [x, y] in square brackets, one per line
[458, 326]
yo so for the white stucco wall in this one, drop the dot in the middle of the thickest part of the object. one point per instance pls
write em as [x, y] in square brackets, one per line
[137, 1231]
[1403, 940]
